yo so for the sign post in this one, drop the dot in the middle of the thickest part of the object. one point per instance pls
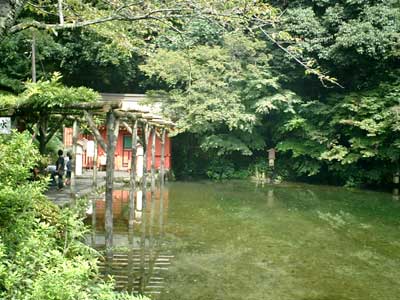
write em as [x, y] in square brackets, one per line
[271, 165]
[5, 125]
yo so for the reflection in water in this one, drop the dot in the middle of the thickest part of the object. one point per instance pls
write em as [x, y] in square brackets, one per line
[138, 262]
[236, 240]
[270, 198]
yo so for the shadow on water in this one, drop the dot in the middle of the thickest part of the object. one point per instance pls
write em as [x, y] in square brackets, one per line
[137, 262]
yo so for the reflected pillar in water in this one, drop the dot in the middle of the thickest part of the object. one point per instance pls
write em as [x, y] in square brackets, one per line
[140, 267]
[139, 206]
[270, 198]
[131, 246]
[141, 285]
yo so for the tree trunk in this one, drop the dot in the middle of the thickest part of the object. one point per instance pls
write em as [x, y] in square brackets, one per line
[33, 57]
[42, 136]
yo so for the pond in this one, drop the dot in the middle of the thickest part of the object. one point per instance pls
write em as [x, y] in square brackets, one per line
[237, 240]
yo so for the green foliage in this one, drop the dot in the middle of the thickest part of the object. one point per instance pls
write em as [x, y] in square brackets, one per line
[351, 39]
[231, 90]
[50, 93]
[220, 92]
[42, 255]
[46, 94]
[355, 135]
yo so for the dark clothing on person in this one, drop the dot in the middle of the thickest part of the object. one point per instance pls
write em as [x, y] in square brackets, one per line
[60, 164]
[69, 168]
[60, 171]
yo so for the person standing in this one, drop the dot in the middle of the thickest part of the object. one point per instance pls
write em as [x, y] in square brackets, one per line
[69, 169]
[60, 165]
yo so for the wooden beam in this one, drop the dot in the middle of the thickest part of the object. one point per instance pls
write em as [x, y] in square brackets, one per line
[95, 131]
[127, 114]
[98, 105]
[128, 128]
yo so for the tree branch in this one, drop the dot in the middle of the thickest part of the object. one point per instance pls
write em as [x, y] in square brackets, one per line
[322, 77]
[119, 15]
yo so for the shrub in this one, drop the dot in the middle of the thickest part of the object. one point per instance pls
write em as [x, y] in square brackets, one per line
[42, 255]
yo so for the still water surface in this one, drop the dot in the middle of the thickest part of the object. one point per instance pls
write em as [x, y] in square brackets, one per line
[237, 240]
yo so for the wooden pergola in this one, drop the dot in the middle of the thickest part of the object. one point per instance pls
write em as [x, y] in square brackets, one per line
[115, 115]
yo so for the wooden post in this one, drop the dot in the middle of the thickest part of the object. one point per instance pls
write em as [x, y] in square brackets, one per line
[162, 163]
[75, 135]
[153, 158]
[132, 192]
[162, 176]
[94, 222]
[396, 179]
[152, 190]
[95, 154]
[133, 173]
[145, 130]
[42, 126]
[271, 165]
[144, 176]
[112, 134]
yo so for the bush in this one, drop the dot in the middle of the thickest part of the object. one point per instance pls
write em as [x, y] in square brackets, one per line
[42, 255]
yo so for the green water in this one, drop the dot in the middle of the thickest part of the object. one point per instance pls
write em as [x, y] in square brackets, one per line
[236, 240]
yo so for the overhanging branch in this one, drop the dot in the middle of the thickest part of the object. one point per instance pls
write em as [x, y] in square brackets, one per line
[119, 15]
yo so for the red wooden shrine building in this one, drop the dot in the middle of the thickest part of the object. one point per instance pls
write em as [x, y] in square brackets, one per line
[123, 149]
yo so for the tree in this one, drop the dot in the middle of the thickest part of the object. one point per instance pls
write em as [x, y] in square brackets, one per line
[9, 12]
[220, 89]
[352, 40]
